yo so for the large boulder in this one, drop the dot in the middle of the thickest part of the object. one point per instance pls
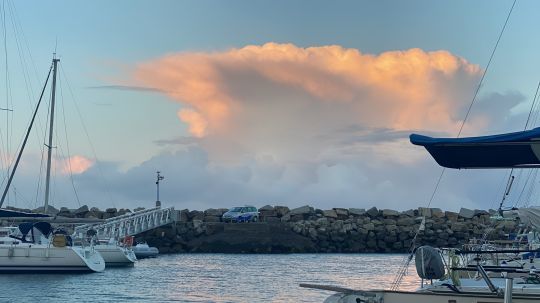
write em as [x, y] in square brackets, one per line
[281, 210]
[357, 211]
[50, 210]
[183, 215]
[302, 210]
[437, 213]
[368, 226]
[424, 212]
[466, 213]
[373, 212]
[331, 213]
[390, 213]
[480, 212]
[213, 212]
[123, 211]
[196, 215]
[406, 221]
[452, 216]
[342, 212]
[81, 210]
[267, 213]
[410, 213]
[64, 212]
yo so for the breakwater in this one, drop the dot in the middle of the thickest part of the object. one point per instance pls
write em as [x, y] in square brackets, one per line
[310, 230]
[338, 230]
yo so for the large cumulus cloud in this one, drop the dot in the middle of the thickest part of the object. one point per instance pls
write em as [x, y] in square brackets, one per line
[326, 126]
[396, 89]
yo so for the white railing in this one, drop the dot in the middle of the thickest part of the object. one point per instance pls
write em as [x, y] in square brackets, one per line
[130, 224]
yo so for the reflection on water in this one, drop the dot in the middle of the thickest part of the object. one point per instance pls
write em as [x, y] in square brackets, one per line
[213, 278]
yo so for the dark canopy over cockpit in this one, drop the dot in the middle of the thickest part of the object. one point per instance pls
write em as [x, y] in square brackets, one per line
[511, 150]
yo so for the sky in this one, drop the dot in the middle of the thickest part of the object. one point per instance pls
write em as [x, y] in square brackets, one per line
[263, 102]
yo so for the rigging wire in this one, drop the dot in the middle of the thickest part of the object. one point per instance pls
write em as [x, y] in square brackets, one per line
[401, 272]
[533, 106]
[487, 68]
[99, 168]
[68, 158]
[8, 14]
[511, 178]
[25, 138]
[533, 110]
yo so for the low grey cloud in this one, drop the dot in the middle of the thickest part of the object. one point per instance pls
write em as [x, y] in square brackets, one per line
[178, 141]
[128, 88]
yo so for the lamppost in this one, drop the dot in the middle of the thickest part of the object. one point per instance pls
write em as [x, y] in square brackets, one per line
[159, 178]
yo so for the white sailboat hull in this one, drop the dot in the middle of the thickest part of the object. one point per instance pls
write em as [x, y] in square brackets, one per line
[34, 258]
[116, 255]
[427, 297]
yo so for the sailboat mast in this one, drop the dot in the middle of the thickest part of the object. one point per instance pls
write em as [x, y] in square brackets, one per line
[49, 147]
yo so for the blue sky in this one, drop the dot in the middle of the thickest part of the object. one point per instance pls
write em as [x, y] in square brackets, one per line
[103, 43]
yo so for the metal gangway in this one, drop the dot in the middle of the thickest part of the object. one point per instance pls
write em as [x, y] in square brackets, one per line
[130, 224]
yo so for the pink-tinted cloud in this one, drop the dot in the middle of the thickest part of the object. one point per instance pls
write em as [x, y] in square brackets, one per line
[410, 89]
[75, 165]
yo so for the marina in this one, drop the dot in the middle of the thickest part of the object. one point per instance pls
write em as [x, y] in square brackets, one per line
[259, 151]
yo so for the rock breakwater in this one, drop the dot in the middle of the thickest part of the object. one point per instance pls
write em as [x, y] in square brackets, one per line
[310, 230]
[337, 230]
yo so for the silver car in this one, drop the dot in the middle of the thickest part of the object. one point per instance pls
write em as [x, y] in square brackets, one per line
[241, 214]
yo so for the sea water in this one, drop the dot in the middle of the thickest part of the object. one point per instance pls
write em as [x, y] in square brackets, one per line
[213, 278]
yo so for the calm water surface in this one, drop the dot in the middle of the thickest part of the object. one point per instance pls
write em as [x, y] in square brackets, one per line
[212, 278]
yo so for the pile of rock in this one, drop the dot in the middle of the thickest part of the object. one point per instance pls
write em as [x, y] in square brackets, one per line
[356, 230]
[307, 229]
[81, 212]
[332, 230]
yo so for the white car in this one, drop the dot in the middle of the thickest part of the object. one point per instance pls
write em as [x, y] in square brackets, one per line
[241, 214]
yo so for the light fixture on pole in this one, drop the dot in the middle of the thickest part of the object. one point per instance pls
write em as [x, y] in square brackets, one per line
[159, 178]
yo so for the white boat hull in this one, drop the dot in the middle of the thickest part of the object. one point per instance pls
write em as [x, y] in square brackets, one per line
[33, 258]
[116, 255]
[427, 297]
[144, 251]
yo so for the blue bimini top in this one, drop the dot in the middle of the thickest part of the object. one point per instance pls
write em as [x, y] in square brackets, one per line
[511, 150]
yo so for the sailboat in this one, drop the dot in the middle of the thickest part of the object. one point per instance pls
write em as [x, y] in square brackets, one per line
[117, 254]
[37, 247]
[493, 284]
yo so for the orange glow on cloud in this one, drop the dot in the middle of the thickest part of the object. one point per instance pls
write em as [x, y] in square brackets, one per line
[75, 165]
[197, 124]
[410, 89]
